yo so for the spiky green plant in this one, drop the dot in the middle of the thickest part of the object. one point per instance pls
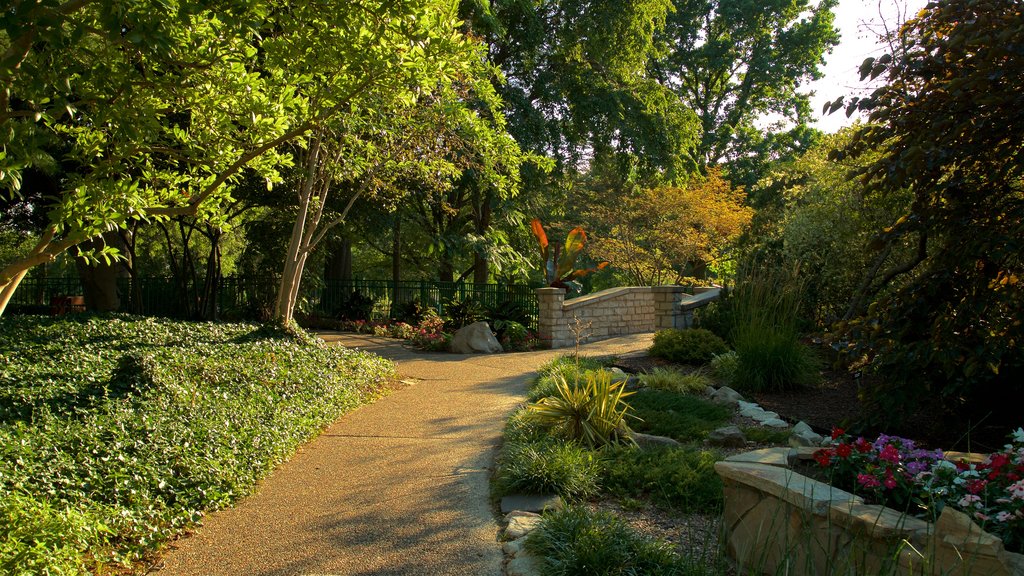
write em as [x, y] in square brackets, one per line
[592, 412]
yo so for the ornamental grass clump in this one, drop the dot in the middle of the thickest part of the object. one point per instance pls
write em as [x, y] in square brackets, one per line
[766, 313]
[676, 380]
[592, 412]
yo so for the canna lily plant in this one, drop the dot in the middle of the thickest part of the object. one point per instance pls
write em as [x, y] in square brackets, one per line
[560, 260]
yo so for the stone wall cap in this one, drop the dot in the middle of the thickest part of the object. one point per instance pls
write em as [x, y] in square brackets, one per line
[787, 485]
[766, 456]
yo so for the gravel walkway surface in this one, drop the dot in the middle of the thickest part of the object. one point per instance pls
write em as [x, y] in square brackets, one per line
[398, 487]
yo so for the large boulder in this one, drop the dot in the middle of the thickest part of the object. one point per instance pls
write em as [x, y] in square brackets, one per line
[475, 338]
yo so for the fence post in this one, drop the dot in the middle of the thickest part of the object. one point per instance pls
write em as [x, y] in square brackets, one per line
[551, 326]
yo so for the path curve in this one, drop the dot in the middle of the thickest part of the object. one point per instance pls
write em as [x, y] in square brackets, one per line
[397, 487]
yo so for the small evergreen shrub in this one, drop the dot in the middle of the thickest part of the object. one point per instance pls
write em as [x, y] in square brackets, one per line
[575, 541]
[690, 346]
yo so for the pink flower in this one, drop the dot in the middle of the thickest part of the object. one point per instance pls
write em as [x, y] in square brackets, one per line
[890, 482]
[868, 481]
[889, 454]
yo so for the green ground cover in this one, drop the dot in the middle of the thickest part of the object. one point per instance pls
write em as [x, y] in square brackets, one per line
[117, 432]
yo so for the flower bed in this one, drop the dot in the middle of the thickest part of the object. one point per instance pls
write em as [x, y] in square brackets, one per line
[778, 520]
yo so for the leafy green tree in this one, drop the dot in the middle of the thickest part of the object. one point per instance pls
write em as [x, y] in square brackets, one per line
[948, 123]
[733, 61]
[577, 85]
[156, 107]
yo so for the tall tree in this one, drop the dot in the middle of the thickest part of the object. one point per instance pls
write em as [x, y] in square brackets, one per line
[577, 84]
[948, 124]
[736, 61]
[162, 105]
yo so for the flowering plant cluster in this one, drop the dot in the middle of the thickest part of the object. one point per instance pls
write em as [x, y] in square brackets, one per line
[991, 491]
[894, 472]
[430, 335]
[885, 471]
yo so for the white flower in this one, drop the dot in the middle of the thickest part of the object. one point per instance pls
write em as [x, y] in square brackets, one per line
[1018, 435]
[1003, 516]
[968, 499]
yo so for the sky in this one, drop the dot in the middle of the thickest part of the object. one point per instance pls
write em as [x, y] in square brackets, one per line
[859, 23]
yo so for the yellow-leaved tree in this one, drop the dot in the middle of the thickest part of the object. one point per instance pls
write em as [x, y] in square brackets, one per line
[665, 234]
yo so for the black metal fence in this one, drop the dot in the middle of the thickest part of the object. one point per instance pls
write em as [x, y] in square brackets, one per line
[240, 297]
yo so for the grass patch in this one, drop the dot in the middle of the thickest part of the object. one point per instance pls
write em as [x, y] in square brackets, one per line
[682, 479]
[683, 417]
[576, 541]
[675, 380]
[118, 432]
[548, 467]
[763, 435]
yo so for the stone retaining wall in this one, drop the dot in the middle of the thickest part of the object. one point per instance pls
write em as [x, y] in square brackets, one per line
[777, 521]
[617, 311]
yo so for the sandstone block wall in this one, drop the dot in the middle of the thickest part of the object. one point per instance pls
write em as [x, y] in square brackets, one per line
[616, 311]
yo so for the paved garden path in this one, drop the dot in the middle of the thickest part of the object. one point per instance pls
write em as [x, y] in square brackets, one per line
[398, 487]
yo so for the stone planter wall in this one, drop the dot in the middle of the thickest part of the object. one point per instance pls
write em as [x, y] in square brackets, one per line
[617, 311]
[777, 521]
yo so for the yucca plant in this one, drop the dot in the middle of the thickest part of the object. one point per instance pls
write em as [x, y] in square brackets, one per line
[592, 412]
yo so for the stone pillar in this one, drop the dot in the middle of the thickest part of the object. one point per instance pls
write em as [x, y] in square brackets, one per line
[666, 305]
[551, 326]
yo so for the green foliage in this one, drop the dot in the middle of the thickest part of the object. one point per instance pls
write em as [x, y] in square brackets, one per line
[683, 417]
[459, 313]
[413, 311]
[356, 307]
[683, 479]
[777, 47]
[675, 380]
[689, 346]
[724, 366]
[592, 411]
[766, 312]
[943, 323]
[569, 368]
[716, 316]
[547, 467]
[575, 541]
[764, 435]
[124, 431]
[37, 537]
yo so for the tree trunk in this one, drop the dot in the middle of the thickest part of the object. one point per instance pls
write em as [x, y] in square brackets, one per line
[99, 281]
[338, 265]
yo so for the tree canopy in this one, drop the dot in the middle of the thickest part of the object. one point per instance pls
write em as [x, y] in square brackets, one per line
[948, 122]
[154, 109]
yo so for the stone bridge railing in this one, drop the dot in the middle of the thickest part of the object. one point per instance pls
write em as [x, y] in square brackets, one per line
[617, 311]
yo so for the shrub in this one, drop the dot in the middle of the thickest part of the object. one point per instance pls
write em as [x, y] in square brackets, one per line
[430, 335]
[680, 416]
[510, 311]
[675, 380]
[683, 479]
[575, 541]
[356, 306]
[547, 467]
[716, 316]
[459, 313]
[724, 366]
[766, 315]
[120, 431]
[592, 412]
[413, 311]
[691, 346]
[770, 361]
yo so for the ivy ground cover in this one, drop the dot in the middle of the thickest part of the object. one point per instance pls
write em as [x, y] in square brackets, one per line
[118, 432]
